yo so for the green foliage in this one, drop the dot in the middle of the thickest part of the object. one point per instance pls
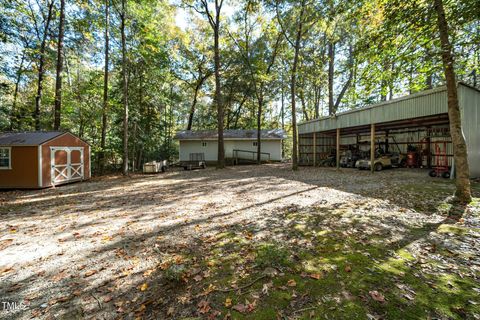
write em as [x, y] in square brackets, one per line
[382, 49]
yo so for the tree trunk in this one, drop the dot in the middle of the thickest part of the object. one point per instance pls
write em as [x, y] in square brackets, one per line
[218, 98]
[347, 83]
[41, 65]
[200, 82]
[134, 163]
[101, 156]
[463, 191]
[317, 97]
[331, 69]
[259, 127]
[429, 76]
[304, 105]
[13, 113]
[283, 119]
[125, 90]
[58, 81]
[293, 84]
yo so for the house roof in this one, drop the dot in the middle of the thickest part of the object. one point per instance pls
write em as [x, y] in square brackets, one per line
[29, 138]
[267, 134]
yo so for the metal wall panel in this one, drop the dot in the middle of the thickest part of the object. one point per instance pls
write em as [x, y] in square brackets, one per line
[470, 107]
[421, 104]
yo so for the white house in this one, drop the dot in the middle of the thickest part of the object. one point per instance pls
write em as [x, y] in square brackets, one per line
[239, 144]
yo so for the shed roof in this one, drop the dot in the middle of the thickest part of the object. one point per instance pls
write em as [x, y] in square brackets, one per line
[423, 104]
[28, 138]
[267, 134]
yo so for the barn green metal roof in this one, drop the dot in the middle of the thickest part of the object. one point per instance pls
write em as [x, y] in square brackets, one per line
[422, 104]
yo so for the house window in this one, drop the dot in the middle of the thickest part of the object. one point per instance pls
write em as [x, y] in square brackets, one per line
[5, 158]
[204, 144]
[255, 143]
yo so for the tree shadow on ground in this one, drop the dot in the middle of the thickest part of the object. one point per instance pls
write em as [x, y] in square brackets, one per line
[332, 233]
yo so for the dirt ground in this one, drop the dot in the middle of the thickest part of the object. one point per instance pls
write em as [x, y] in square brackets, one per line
[257, 242]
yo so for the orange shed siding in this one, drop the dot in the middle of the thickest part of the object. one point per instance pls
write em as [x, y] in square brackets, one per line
[65, 140]
[24, 172]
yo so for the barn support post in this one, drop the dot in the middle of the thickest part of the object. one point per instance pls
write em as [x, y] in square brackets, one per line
[387, 146]
[428, 150]
[372, 147]
[314, 149]
[337, 154]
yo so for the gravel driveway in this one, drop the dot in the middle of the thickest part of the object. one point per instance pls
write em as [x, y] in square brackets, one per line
[84, 250]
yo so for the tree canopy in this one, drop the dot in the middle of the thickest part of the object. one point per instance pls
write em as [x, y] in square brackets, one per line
[345, 55]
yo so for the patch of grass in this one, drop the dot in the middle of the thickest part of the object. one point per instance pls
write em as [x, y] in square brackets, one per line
[334, 273]
[454, 229]
[272, 255]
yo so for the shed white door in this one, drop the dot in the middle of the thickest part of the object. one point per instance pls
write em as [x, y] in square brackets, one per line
[67, 164]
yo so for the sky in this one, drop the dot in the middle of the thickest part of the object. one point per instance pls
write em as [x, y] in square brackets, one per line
[182, 16]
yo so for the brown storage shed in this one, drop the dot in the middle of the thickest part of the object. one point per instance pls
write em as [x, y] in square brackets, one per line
[42, 159]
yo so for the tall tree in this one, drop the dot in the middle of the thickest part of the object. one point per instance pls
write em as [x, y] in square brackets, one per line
[259, 53]
[14, 112]
[301, 26]
[123, 16]
[41, 62]
[214, 19]
[58, 82]
[463, 192]
[101, 157]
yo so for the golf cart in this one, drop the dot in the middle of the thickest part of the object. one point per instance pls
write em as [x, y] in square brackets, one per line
[383, 159]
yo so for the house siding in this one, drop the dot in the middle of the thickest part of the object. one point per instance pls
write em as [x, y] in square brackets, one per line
[274, 147]
[24, 171]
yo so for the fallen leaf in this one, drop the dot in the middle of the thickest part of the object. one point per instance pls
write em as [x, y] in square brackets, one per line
[228, 303]
[377, 296]
[90, 273]
[141, 309]
[348, 268]
[144, 287]
[315, 276]
[291, 283]
[164, 265]
[203, 306]
[170, 311]
[240, 308]
[5, 243]
[409, 297]
[59, 276]
[198, 278]
[213, 315]
[107, 299]
[266, 287]
[64, 298]
[210, 288]
[251, 306]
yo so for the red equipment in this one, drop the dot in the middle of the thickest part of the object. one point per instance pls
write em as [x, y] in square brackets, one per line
[441, 161]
